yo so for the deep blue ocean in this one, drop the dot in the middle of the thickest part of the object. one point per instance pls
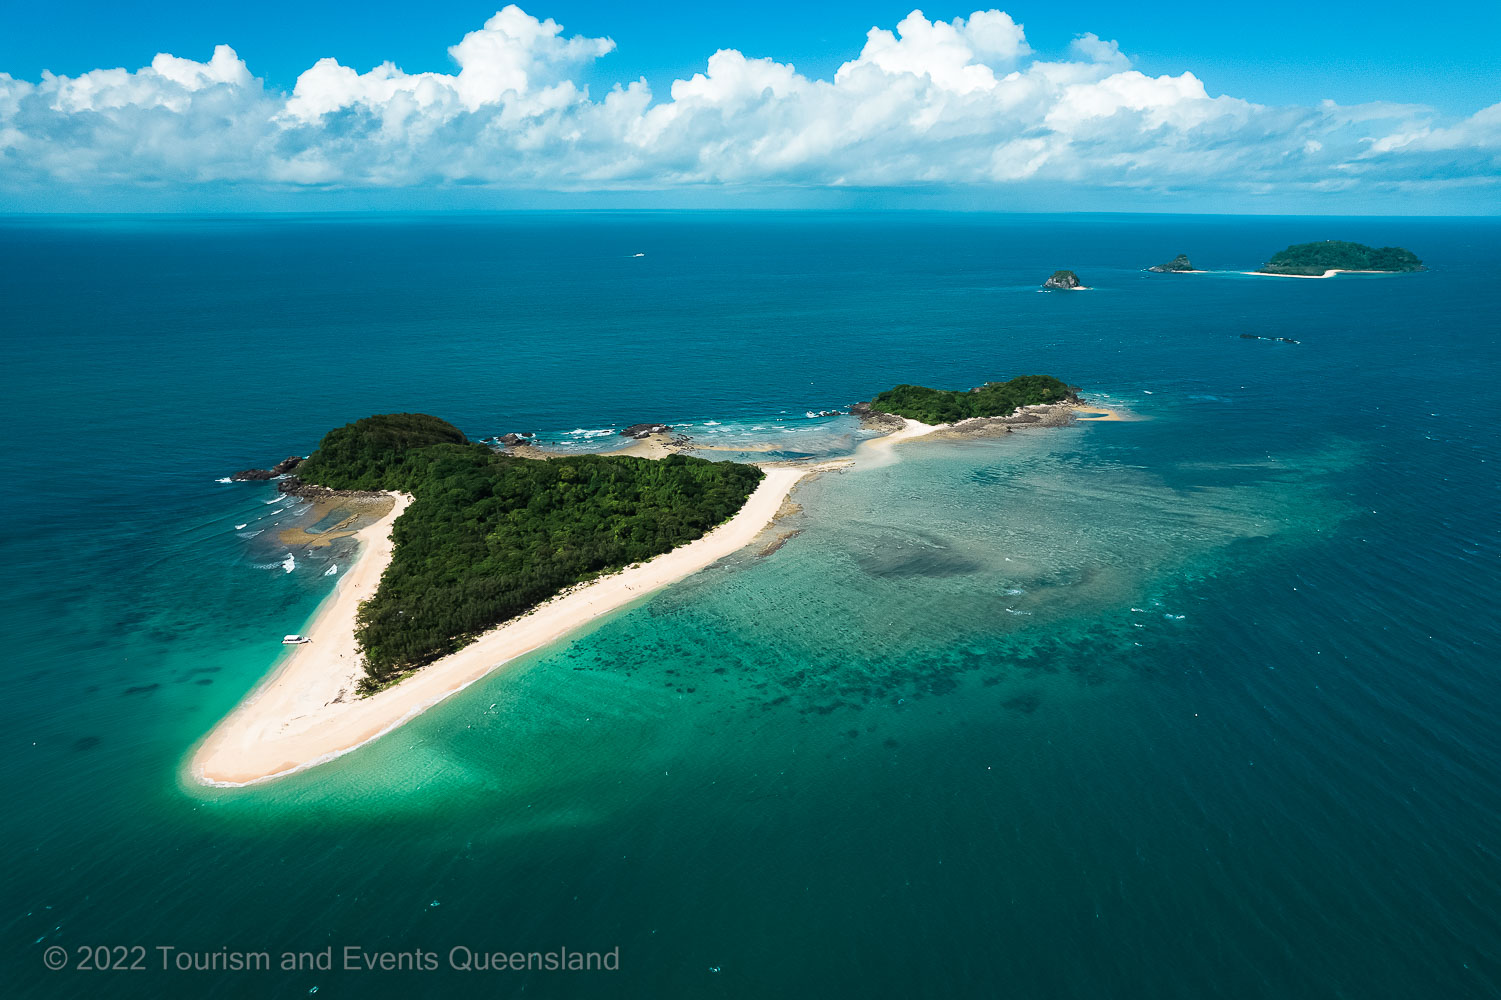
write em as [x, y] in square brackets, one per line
[1197, 704]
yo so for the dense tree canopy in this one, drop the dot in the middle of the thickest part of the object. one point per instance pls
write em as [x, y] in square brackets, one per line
[1331, 255]
[993, 399]
[489, 536]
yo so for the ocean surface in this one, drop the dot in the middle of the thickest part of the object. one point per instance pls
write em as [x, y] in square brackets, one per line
[1198, 704]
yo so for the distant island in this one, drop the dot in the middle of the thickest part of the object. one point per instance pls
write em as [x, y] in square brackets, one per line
[1319, 260]
[1063, 281]
[1178, 263]
[993, 399]
[489, 536]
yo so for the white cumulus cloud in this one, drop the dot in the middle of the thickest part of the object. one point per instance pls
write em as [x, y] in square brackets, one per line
[926, 104]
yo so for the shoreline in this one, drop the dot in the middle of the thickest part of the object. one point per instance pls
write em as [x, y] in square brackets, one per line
[305, 713]
[1327, 274]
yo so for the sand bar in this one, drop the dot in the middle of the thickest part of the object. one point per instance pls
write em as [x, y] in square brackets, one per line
[878, 451]
[307, 712]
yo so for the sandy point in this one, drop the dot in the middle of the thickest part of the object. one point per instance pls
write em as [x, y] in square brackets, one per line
[1099, 414]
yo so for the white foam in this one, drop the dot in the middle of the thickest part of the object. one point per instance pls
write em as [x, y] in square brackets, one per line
[278, 498]
[250, 534]
[289, 563]
[584, 432]
[226, 479]
[240, 527]
[332, 569]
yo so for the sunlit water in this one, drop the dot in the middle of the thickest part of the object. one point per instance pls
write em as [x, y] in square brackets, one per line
[1197, 704]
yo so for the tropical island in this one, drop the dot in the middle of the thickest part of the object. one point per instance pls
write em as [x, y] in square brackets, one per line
[473, 556]
[489, 536]
[1330, 257]
[1063, 281]
[993, 399]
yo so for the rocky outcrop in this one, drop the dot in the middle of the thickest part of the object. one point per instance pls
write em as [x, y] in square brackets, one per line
[1178, 263]
[877, 419]
[512, 440]
[641, 431]
[1063, 281]
[281, 468]
[1039, 415]
[297, 488]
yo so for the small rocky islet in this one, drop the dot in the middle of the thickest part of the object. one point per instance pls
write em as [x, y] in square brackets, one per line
[1179, 263]
[1063, 281]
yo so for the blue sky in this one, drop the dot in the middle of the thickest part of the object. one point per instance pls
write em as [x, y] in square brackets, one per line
[1248, 129]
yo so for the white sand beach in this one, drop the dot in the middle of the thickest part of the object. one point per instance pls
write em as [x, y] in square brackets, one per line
[307, 711]
[878, 451]
[1327, 274]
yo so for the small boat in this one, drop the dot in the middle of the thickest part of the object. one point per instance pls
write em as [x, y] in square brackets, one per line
[294, 640]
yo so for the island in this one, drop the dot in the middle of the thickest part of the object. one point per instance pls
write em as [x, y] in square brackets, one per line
[993, 399]
[1179, 264]
[1064, 281]
[1331, 257]
[471, 555]
[489, 536]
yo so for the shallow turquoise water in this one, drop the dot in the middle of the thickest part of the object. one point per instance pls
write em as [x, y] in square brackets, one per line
[1196, 705]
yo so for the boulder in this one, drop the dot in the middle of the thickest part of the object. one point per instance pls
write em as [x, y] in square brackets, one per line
[639, 431]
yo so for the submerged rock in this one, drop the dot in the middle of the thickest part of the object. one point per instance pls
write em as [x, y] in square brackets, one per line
[1063, 280]
[1178, 263]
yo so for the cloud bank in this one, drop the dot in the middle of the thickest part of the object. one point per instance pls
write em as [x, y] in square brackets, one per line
[926, 105]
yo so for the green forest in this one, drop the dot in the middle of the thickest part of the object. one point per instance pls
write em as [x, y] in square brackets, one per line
[489, 536]
[993, 399]
[1316, 258]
